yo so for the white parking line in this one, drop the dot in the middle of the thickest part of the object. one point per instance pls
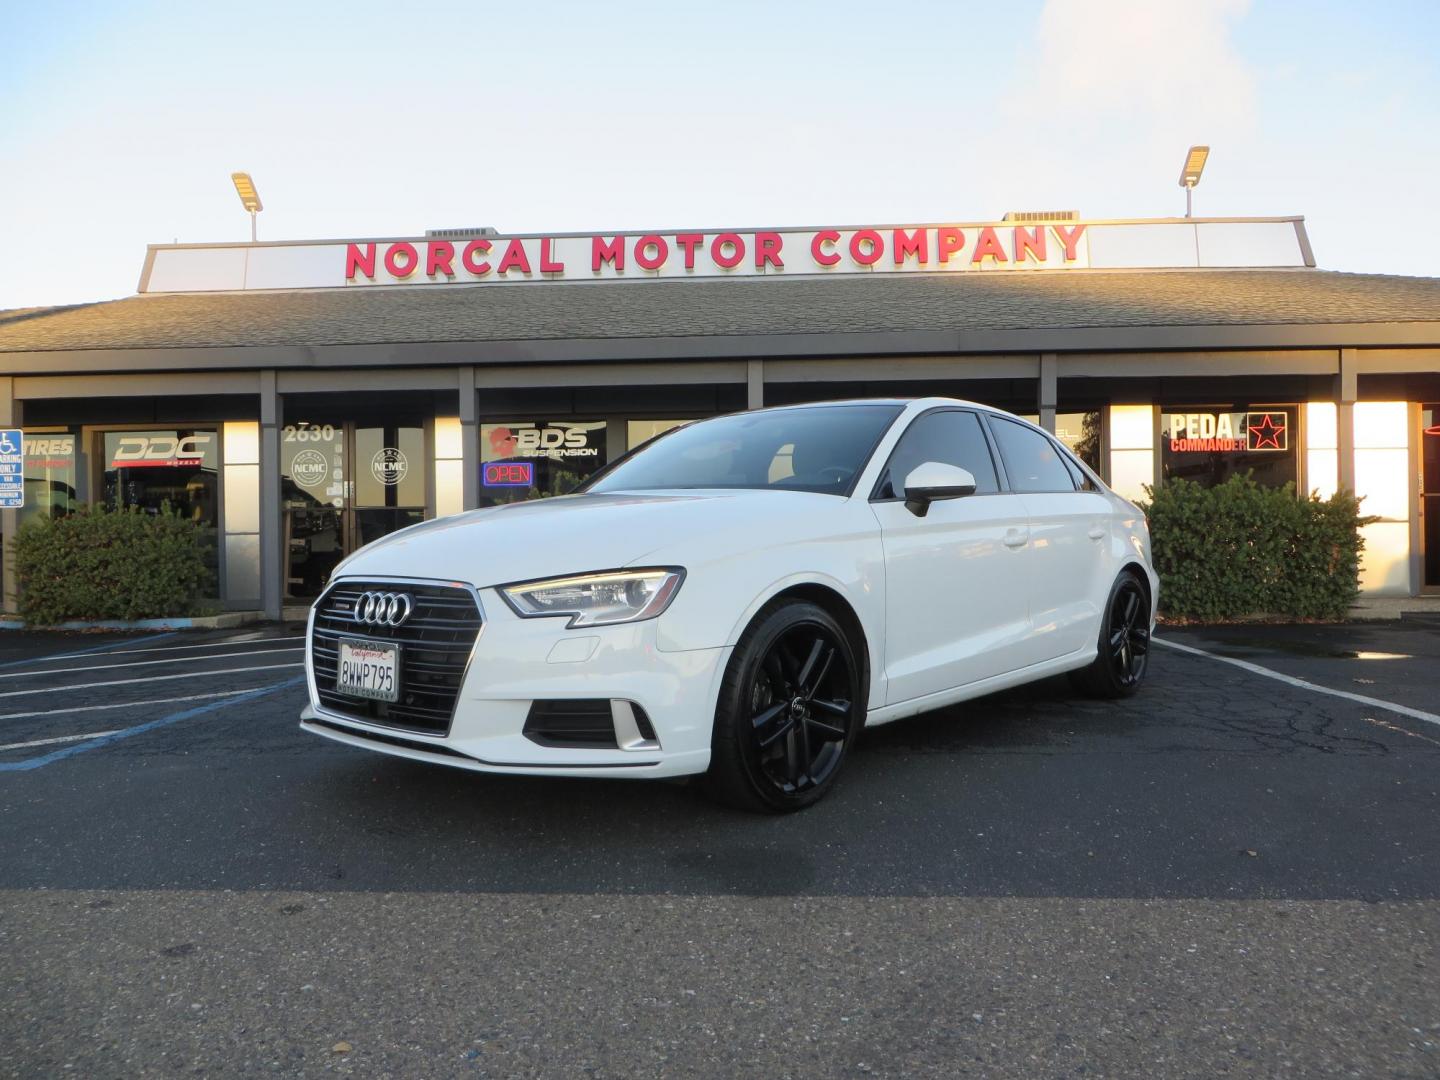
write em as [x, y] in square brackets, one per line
[57, 739]
[148, 678]
[1303, 684]
[120, 705]
[144, 663]
[177, 648]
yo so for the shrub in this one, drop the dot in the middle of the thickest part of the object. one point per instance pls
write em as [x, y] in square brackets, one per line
[1240, 549]
[104, 564]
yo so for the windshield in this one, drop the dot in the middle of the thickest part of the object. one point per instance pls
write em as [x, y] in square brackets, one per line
[817, 448]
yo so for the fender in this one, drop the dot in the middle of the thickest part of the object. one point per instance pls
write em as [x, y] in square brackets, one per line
[874, 638]
[865, 597]
[871, 621]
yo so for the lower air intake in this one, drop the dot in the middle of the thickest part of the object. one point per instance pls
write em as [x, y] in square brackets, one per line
[584, 723]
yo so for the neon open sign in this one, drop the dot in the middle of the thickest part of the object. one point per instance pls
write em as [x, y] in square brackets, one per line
[509, 473]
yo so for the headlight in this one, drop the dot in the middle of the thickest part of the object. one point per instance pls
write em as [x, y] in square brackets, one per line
[615, 596]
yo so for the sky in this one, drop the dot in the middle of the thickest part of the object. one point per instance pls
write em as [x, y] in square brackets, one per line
[121, 122]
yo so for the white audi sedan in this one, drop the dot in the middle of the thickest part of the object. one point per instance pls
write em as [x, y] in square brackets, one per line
[736, 599]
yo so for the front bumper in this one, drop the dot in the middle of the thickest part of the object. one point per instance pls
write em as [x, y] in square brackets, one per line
[518, 661]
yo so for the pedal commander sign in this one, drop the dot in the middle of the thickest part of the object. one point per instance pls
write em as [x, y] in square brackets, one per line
[718, 254]
[1226, 433]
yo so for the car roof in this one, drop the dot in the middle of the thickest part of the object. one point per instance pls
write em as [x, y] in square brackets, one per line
[925, 402]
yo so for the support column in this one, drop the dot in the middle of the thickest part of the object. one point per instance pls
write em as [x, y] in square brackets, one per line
[469, 440]
[272, 561]
[617, 437]
[755, 384]
[1048, 391]
[1347, 387]
[10, 518]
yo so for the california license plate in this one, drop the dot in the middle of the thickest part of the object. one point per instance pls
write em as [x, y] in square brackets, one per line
[369, 669]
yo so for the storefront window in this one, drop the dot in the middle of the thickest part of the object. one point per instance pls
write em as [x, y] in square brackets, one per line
[1080, 431]
[1209, 445]
[49, 475]
[146, 469]
[534, 460]
[638, 432]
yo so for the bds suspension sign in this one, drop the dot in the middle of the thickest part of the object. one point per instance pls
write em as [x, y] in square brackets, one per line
[494, 259]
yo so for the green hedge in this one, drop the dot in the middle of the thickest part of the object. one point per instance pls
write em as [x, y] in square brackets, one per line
[102, 564]
[1239, 549]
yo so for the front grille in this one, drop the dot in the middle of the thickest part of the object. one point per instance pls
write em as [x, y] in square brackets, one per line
[435, 644]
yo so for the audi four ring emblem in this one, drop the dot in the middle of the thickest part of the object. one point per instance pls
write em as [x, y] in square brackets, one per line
[383, 608]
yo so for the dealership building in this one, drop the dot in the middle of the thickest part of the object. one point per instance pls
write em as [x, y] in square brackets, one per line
[300, 399]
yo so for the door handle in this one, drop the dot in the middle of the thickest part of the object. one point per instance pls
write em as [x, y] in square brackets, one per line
[1017, 538]
[1097, 532]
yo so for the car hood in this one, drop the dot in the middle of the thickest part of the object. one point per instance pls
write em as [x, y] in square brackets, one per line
[569, 534]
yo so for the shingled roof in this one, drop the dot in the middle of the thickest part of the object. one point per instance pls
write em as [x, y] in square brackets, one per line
[741, 307]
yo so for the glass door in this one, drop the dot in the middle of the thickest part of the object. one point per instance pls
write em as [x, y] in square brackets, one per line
[389, 487]
[344, 485]
[1430, 493]
[314, 477]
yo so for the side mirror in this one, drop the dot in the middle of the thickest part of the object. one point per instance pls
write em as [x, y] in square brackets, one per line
[934, 481]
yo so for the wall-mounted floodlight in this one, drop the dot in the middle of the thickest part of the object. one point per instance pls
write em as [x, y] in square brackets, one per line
[249, 197]
[1190, 175]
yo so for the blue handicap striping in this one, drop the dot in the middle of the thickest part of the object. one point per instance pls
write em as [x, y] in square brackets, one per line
[164, 721]
[86, 652]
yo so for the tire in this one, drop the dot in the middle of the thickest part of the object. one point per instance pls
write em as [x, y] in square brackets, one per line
[1123, 649]
[789, 710]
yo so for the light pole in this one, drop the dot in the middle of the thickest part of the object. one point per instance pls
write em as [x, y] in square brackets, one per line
[1190, 174]
[249, 197]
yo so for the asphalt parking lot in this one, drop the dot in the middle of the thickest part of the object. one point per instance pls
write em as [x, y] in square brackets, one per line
[1231, 874]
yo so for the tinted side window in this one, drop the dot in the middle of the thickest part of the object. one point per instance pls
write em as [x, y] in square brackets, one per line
[1031, 460]
[1079, 475]
[951, 438]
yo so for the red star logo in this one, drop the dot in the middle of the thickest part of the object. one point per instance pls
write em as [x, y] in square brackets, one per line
[1267, 434]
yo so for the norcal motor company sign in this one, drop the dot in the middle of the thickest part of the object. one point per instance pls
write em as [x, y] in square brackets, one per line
[716, 254]
[460, 257]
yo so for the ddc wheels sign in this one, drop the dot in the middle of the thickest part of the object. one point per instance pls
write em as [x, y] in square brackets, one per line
[158, 451]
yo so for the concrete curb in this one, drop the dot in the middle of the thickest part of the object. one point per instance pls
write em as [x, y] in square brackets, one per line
[198, 622]
[1388, 608]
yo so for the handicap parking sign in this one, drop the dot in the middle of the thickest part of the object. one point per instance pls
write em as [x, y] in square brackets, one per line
[12, 468]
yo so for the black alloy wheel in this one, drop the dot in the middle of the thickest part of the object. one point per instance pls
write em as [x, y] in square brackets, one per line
[789, 710]
[1124, 646]
[1129, 633]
